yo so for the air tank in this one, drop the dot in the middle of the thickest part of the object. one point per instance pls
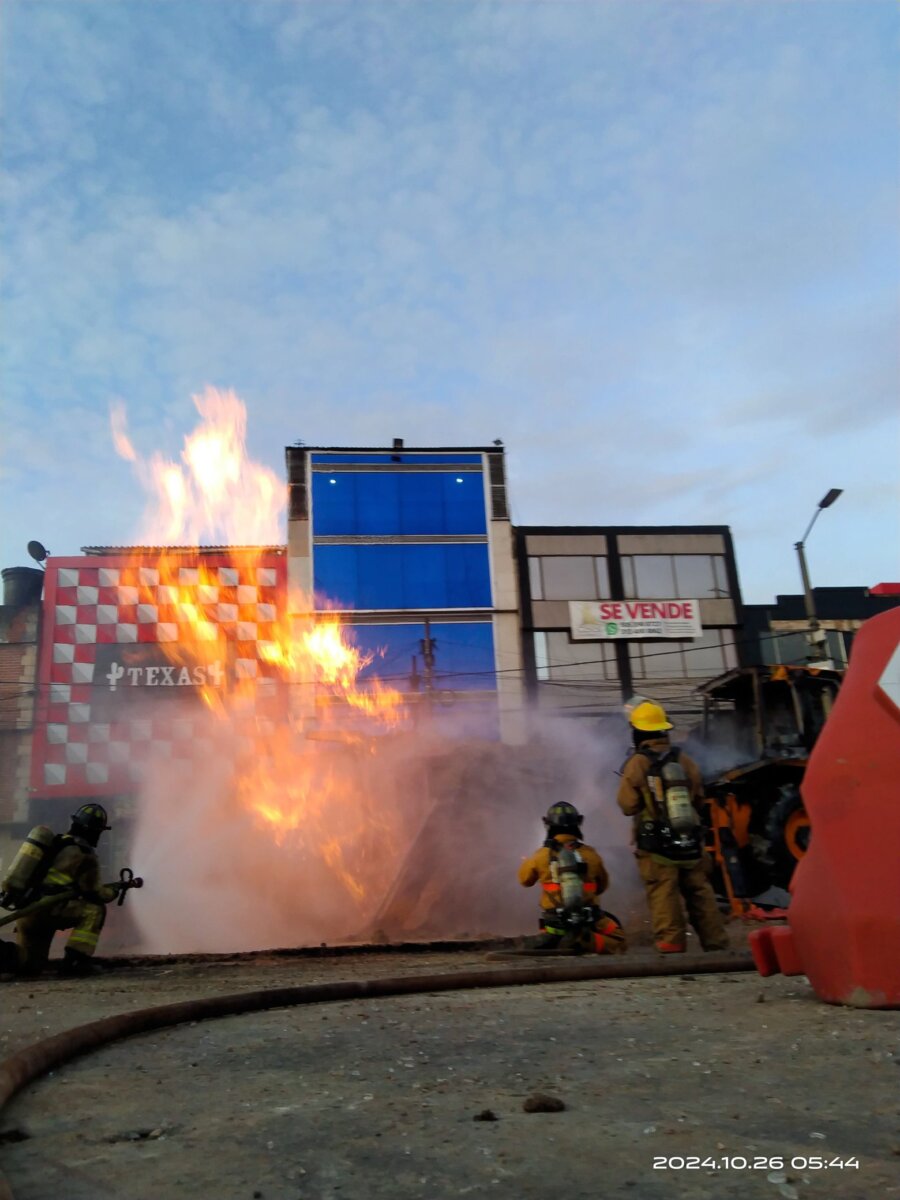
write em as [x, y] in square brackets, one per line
[28, 860]
[571, 879]
[683, 817]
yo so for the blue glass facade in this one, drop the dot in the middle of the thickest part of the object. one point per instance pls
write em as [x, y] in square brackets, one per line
[366, 503]
[407, 533]
[401, 576]
[464, 653]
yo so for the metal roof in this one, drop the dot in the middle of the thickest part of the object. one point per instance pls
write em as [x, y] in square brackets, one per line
[110, 550]
[493, 449]
[727, 684]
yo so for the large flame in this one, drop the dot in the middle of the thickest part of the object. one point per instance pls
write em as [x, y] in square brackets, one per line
[286, 696]
[215, 493]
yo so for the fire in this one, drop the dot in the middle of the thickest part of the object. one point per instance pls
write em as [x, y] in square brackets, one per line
[121, 441]
[314, 802]
[291, 677]
[215, 492]
[319, 652]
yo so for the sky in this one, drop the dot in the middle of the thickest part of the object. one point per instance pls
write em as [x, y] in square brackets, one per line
[651, 246]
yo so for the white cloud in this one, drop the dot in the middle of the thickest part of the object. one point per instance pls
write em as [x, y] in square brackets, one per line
[641, 247]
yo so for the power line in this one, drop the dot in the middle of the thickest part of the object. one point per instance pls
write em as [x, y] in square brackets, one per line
[682, 648]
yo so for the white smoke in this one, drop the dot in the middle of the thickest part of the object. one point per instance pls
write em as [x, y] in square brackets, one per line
[431, 827]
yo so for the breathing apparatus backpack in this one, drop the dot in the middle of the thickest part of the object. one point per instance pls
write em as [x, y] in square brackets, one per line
[23, 881]
[568, 869]
[670, 828]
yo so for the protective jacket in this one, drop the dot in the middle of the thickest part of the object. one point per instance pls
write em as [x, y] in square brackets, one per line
[604, 934]
[537, 868]
[75, 864]
[671, 887]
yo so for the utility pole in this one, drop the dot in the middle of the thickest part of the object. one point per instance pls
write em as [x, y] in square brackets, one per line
[817, 637]
[428, 645]
[415, 686]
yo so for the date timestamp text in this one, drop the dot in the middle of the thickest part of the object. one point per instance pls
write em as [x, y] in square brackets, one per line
[739, 1162]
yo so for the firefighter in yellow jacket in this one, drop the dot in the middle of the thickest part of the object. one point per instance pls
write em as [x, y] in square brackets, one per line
[72, 864]
[661, 787]
[572, 877]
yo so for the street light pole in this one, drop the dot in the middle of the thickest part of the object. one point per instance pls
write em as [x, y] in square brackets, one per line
[817, 643]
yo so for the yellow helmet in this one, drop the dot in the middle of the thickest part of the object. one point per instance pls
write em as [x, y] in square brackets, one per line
[650, 718]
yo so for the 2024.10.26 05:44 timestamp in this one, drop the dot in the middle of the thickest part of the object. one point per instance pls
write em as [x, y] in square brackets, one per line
[738, 1162]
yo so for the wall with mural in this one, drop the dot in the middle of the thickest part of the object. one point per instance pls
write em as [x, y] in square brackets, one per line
[133, 646]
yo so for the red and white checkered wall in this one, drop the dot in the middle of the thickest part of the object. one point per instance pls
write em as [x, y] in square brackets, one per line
[107, 701]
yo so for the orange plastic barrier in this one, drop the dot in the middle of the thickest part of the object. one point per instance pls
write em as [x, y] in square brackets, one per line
[843, 927]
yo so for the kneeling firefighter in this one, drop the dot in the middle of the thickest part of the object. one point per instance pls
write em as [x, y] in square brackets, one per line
[66, 865]
[661, 787]
[572, 876]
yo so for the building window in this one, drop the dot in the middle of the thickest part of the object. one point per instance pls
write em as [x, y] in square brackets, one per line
[685, 576]
[769, 648]
[601, 566]
[837, 648]
[705, 657]
[559, 660]
[695, 575]
[403, 576]
[542, 662]
[653, 576]
[463, 655]
[534, 579]
[568, 577]
[359, 503]
[793, 649]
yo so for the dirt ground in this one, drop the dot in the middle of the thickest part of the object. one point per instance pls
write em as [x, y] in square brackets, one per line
[422, 1096]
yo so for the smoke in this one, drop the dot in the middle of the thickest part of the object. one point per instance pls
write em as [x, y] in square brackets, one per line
[731, 742]
[338, 823]
[408, 835]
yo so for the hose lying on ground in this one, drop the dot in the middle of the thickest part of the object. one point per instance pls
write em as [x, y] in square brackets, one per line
[29, 1064]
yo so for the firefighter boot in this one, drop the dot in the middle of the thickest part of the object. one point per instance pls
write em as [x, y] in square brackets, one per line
[545, 941]
[577, 942]
[76, 965]
[9, 958]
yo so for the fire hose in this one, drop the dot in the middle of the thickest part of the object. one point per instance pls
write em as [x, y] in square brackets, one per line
[22, 1068]
[122, 885]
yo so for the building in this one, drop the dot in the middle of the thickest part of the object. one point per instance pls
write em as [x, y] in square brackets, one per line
[109, 693]
[613, 611]
[778, 633]
[20, 624]
[413, 548]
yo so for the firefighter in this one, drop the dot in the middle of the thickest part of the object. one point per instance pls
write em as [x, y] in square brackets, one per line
[661, 787]
[572, 876]
[72, 863]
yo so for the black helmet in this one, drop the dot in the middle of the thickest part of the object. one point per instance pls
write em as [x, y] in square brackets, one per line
[89, 822]
[563, 818]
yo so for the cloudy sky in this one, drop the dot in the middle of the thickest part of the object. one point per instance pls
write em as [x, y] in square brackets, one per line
[651, 246]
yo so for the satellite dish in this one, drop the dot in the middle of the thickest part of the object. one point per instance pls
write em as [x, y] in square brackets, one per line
[37, 551]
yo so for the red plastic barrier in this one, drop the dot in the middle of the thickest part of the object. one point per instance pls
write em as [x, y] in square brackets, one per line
[843, 927]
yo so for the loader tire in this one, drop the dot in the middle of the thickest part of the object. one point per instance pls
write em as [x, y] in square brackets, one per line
[788, 831]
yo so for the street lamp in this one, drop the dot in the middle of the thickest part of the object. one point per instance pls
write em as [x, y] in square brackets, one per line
[817, 637]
